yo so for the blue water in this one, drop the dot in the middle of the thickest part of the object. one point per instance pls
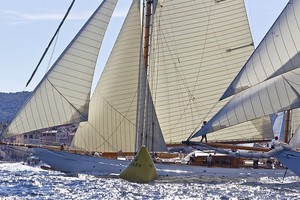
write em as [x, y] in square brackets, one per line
[24, 182]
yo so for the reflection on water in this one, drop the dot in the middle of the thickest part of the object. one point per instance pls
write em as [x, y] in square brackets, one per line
[24, 182]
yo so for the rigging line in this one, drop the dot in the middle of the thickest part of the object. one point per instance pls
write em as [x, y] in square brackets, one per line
[208, 11]
[175, 55]
[180, 75]
[200, 67]
[85, 141]
[209, 20]
[194, 131]
[52, 53]
[71, 105]
[115, 130]
[46, 50]
[75, 144]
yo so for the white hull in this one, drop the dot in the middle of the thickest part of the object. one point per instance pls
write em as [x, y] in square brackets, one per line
[76, 164]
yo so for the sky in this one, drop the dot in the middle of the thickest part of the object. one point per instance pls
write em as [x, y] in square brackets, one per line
[26, 27]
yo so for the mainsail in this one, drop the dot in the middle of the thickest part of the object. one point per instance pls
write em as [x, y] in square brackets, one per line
[63, 95]
[271, 76]
[197, 48]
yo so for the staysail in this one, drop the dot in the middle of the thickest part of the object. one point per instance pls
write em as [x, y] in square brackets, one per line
[197, 49]
[63, 95]
[112, 124]
[272, 79]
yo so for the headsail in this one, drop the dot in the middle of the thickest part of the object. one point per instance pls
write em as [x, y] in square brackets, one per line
[277, 53]
[63, 95]
[197, 49]
[112, 119]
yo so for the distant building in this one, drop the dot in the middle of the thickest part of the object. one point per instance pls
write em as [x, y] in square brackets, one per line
[53, 136]
[49, 137]
[28, 138]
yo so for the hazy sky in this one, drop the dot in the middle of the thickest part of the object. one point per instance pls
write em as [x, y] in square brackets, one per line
[26, 28]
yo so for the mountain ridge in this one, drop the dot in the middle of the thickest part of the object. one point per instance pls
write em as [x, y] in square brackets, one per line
[10, 104]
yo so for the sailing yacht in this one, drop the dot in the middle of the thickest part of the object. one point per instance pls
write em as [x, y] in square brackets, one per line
[164, 76]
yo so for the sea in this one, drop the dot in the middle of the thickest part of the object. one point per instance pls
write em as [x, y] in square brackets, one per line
[19, 181]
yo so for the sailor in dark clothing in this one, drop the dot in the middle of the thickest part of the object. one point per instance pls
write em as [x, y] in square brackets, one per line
[204, 136]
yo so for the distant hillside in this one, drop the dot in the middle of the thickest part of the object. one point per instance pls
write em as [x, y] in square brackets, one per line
[10, 103]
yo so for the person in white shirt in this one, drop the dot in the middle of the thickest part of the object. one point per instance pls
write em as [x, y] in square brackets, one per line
[273, 142]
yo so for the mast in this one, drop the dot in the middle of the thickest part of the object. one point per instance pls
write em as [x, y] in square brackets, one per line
[146, 62]
[142, 136]
[287, 126]
[147, 32]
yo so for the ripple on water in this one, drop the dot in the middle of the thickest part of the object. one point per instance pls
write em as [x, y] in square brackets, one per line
[23, 182]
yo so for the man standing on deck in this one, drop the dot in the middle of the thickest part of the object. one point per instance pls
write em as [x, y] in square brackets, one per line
[204, 136]
[209, 160]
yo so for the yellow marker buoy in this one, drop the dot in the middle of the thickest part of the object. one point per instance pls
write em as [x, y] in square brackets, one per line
[141, 169]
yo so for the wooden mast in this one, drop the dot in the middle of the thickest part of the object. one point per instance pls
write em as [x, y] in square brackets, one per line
[146, 21]
[147, 32]
[287, 126]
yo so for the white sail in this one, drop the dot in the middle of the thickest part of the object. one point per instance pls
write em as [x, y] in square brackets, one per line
[112, 117]
[63, 96]
[197, 49]
[295, 140]
[278, 94]
[294, 121]
[255, 130]
[294, 137]
[149, 133]
[277, 53]
[279, 123]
